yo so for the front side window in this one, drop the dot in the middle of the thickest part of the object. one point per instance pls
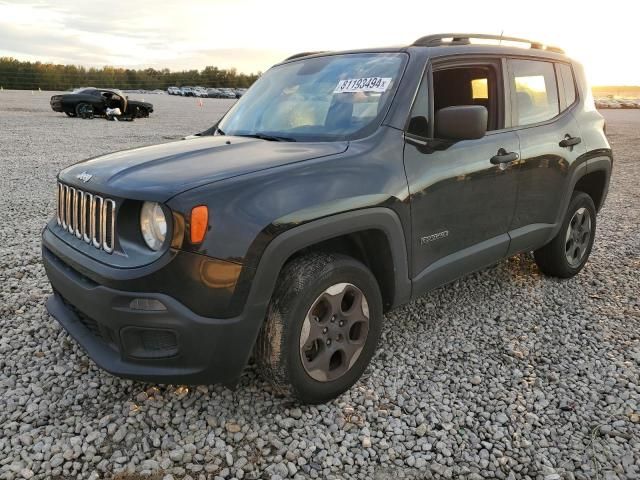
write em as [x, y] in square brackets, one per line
[536, 91]
[335, 97]
[456, 86]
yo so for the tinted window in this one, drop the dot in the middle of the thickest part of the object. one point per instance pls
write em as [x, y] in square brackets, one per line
[568, 83]
[536, 91]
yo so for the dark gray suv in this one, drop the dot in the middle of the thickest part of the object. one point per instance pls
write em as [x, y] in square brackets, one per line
[338, 187]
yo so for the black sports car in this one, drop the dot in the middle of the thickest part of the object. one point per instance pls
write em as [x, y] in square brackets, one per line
[89, 102]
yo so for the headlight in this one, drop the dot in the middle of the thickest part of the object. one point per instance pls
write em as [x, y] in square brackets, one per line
[153, 225]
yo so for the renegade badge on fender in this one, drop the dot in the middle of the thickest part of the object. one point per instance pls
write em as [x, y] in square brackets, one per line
[338, 187]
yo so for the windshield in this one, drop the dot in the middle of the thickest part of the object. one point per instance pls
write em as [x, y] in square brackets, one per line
[335, 97]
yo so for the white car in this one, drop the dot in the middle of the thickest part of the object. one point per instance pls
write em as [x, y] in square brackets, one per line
[200, 92]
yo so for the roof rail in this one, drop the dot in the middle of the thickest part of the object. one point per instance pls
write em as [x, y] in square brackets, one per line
[303, 54]
[441, 39]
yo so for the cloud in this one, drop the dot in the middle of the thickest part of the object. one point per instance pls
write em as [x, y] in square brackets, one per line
[251, 35]
[127, 34]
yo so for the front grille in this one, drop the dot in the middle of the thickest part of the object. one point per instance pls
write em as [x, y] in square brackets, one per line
[89, 217]
[89, 323]
[103, 333]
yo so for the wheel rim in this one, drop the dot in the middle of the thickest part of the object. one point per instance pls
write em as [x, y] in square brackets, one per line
[577, 237]
[334, 332]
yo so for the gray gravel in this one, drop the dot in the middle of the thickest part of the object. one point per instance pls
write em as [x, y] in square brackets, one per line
[505, 374]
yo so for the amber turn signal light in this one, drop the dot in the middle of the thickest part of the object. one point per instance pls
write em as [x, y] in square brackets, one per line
[199, 223]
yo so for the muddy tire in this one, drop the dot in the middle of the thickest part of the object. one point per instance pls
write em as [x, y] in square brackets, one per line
[322, 327]
[569, 250]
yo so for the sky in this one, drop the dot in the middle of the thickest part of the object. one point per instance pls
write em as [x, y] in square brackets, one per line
[252, 35]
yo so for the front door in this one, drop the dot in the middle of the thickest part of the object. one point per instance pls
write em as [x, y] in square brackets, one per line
[461, 203]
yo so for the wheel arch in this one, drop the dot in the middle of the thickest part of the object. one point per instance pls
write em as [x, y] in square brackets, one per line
[597, 163]
[596, 181]
[372, 235]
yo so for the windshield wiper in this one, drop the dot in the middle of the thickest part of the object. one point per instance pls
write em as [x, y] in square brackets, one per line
[265, 136]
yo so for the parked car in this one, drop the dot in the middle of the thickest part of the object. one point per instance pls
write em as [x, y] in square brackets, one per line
[227, 93]
[200, 92]
[213, 93]
[321, 201]
[94, 102]
[239, 92]
[186, 91]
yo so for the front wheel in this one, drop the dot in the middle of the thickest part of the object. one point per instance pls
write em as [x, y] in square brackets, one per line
[84, 110]
[569, 250]
[141, 112]
[322, 327]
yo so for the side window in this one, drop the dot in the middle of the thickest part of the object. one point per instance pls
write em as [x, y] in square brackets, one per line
[459, 85]
[568, 83]
[536, 91]
[468, 85]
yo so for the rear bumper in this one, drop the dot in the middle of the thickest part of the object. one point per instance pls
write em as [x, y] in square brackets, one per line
[174, 345]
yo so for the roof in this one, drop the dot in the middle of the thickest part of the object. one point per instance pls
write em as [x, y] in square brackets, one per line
[459, 43]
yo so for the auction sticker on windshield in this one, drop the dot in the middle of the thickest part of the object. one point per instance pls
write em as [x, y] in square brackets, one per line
[368, 84]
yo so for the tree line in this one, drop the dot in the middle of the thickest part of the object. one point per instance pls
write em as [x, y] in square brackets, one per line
[19, 75]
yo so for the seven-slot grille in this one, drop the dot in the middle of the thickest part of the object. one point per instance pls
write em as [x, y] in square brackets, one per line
[88, 216]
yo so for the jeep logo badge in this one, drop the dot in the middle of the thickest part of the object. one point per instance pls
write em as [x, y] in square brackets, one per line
[84, 176]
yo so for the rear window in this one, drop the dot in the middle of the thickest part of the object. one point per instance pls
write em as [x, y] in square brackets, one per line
[536, 91]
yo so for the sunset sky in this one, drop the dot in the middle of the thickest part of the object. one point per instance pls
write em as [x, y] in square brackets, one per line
[251, 35]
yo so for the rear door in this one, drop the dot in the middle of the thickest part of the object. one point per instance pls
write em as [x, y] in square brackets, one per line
[461, 203]
[543, 94]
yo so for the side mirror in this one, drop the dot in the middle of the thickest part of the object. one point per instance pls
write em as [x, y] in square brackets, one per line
[463, 122]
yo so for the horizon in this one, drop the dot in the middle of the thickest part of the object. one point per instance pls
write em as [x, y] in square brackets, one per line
[160, 68]
[250, 36]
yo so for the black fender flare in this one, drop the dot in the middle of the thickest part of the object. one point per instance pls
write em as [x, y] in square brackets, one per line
[590, 162]
[282, 247]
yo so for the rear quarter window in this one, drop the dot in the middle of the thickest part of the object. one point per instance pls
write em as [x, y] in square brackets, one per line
[568, 83]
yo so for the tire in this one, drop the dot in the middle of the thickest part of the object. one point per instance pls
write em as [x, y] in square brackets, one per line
[141, 112]
[84, 110]
[569, 250]
[340, 345]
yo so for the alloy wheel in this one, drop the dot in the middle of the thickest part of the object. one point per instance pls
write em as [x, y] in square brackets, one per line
[334, 332]
[578, 237]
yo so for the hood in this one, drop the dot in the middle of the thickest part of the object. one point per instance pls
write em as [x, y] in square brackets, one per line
[160, 172]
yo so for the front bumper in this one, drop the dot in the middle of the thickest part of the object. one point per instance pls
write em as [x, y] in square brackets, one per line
[56, 105]
[174, 345]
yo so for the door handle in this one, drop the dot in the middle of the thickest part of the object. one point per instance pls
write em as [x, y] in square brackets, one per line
[504, 157]
[569, 141]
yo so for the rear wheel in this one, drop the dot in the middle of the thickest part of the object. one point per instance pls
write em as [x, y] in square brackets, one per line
[322, 327]
[569, 250]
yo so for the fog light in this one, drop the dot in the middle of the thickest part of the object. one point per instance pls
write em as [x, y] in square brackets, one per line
[148, 304]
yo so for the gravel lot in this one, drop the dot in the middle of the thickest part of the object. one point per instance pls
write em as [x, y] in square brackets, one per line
[504, 374]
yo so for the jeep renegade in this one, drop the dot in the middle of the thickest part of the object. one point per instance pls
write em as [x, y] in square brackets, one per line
[341, 185]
